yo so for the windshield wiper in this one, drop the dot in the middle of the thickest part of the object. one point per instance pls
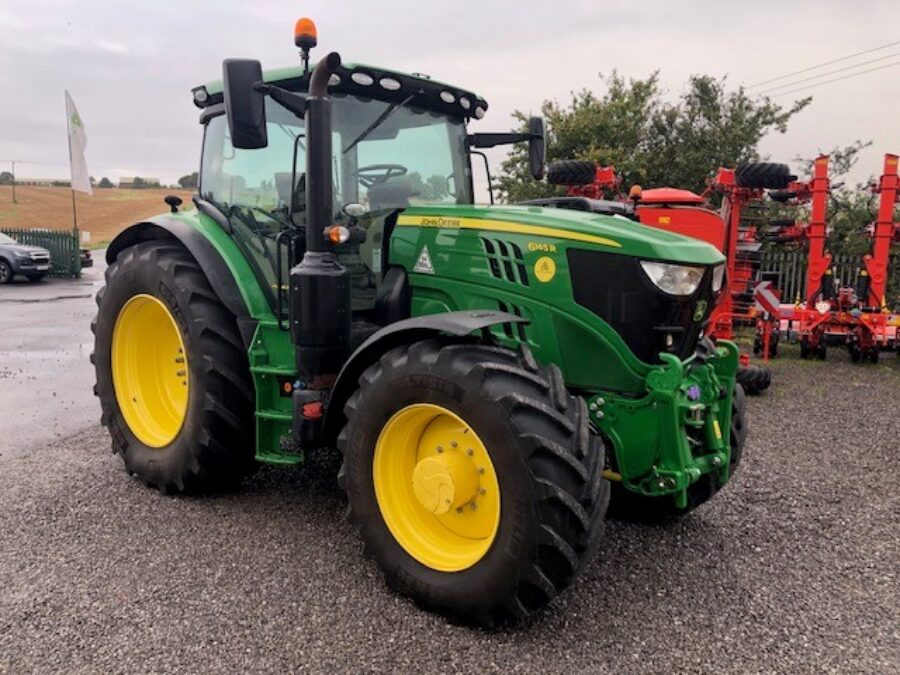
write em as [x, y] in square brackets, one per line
[379, 121]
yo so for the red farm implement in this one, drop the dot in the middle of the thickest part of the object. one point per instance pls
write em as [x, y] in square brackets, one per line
[829, 314]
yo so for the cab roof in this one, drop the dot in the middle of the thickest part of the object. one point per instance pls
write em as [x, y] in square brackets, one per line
[367, 81]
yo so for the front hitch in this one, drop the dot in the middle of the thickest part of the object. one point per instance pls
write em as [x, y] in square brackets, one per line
[665, 441]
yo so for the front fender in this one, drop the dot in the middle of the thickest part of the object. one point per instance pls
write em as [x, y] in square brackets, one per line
[457, 324]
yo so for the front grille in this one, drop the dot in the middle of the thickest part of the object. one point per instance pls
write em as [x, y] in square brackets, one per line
[39, 258]
[615, 288]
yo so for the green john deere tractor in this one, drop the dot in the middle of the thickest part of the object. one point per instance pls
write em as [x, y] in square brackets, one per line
[487, 372]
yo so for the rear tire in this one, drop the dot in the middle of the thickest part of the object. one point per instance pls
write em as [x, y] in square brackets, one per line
[631, 506]
[764, 175]
[552, 499]
[571, 172]
[214, 446]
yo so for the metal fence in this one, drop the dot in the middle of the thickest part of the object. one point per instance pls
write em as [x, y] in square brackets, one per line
[65, 252]
[787, 269]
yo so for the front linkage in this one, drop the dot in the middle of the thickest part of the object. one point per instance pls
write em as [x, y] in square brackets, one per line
[667, 440]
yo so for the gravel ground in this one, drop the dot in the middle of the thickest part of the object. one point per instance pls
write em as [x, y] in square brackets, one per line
[792, 568]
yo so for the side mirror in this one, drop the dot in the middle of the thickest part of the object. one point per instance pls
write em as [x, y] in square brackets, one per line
[245, 106]
[174, 201]
[537, 147]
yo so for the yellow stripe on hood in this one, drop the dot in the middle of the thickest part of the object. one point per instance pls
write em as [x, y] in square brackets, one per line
[451, 223]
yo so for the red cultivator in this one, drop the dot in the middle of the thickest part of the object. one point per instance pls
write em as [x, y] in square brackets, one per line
[856, 317]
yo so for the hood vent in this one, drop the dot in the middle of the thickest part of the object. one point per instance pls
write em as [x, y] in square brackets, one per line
[513, 331]
[505, 260]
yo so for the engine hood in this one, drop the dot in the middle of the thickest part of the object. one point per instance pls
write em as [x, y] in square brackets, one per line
[614, 234]
[23, 249]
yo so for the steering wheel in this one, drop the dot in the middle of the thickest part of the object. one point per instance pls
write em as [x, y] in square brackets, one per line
[376, 174]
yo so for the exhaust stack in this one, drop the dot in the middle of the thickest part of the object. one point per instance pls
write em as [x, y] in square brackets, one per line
[320, 310]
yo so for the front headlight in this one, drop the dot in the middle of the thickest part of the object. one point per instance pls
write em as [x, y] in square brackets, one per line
[718, 277]
[673, 279]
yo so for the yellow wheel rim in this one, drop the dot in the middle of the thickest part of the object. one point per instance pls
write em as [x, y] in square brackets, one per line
[436, 487]
[150, 370]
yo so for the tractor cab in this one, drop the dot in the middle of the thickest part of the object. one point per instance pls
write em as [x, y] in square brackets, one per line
[398, 140]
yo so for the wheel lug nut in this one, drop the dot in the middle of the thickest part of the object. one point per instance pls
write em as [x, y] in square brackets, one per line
[482, 491]
[470, 452]
[453, 444]
[440, 448]
[480, 469]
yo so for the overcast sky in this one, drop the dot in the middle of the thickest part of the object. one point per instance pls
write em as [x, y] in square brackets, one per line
[130, 64]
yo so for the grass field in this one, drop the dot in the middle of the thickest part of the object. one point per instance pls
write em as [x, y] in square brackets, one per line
[104, 214]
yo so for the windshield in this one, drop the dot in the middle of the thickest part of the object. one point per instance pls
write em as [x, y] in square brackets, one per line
[385, 157]
[6, 240]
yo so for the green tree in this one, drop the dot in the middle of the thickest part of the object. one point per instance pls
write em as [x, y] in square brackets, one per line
[6, 178]
[189, 181]
[137, 183]
[105, 183]
[651, 141]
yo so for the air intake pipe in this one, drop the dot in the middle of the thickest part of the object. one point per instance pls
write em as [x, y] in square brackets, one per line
[320, 310]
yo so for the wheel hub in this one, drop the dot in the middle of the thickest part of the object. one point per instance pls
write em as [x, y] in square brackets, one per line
[150, 370]
[445, 481]
[436, 487]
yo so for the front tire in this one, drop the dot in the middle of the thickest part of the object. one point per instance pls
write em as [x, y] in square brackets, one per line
[172, 374]
[495, 407]
[6, 273]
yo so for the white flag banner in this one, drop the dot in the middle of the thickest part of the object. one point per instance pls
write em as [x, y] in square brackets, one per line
[81, 178]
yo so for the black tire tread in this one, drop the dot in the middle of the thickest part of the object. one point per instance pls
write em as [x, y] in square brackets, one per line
[755, 379]
[764, 175]
[571, 172]
[553, 432]
[222, 449]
